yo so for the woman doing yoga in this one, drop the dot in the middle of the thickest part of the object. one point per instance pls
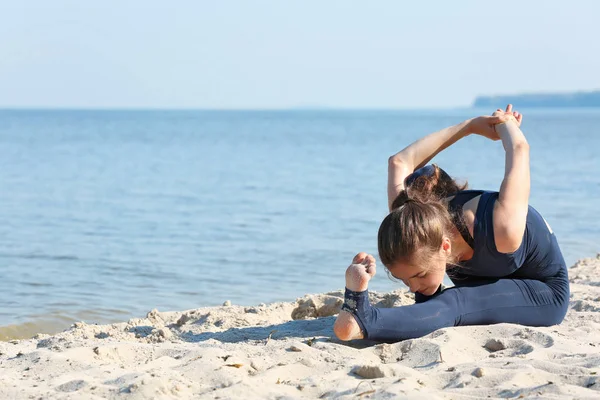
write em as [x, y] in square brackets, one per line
[501, 255]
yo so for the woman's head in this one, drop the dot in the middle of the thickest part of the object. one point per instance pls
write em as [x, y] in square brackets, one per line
[414, 243]
[414, 240]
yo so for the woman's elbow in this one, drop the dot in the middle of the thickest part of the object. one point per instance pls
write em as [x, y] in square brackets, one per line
[399, 163]
[395, 160]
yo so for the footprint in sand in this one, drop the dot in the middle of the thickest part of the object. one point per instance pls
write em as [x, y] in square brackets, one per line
[526, 341]
[536, 337]
[584, 306]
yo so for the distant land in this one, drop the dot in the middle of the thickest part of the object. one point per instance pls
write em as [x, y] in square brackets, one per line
[573, 99]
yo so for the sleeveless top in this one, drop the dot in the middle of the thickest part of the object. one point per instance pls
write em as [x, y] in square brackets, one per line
[538, 257]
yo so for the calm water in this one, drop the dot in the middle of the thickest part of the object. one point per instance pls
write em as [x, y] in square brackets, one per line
[105, 215]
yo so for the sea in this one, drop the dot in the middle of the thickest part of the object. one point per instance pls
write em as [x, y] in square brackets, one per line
[108, 214]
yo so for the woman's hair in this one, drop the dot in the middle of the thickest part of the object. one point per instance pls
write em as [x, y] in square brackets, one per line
[429, 182]
[413, 231]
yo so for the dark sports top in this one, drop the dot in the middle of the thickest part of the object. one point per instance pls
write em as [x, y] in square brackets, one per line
[538, 257]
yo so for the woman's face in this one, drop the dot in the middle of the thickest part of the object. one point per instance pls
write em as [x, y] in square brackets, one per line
[423, 280]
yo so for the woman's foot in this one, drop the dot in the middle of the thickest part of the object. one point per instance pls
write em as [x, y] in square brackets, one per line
[360, 272]
[358, 275]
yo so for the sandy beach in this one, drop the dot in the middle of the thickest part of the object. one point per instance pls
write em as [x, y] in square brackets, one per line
[287, 350]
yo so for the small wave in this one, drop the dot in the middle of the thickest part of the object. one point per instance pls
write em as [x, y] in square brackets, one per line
[41, 257]
[27, 330]
[57, 321]
[37, 284]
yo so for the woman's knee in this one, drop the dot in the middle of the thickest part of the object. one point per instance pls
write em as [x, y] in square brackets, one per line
[562, 296]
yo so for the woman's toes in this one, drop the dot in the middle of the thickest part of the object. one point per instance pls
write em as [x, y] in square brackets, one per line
[359, 258]
[370, 260]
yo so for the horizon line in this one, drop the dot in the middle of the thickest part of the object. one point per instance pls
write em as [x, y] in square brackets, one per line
[168, 108]
[288, 109]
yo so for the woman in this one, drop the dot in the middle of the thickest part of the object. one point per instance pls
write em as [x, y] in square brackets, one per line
[500, 253]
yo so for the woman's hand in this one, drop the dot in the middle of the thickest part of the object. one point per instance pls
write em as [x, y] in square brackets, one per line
[485, 125]
[517, 117]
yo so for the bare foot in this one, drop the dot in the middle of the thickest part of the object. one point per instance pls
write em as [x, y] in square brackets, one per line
[360, 272]
[358, 275]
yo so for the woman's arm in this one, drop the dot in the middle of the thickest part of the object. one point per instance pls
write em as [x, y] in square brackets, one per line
[510, 210]
[419, 153]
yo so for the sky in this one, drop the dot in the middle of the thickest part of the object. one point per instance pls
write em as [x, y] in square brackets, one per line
[253, 54]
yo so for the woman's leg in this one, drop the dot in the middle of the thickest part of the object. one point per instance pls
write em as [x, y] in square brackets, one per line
[519, 301]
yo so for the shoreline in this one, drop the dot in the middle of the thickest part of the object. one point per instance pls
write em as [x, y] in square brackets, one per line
[45, 324]
[288, 349]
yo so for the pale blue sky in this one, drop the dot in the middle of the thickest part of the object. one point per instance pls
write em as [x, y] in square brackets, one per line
[280, 54]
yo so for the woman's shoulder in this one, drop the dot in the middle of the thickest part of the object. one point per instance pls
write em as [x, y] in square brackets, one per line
[484, 220]
[488, 201]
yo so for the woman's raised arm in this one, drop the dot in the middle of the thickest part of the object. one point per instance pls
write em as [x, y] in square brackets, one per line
[510, 210]
[419, 153]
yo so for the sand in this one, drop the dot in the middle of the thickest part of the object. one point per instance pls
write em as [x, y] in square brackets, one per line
[287, 350]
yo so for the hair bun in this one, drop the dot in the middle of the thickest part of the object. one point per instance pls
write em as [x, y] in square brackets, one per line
[426, 184]
[404, 198]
